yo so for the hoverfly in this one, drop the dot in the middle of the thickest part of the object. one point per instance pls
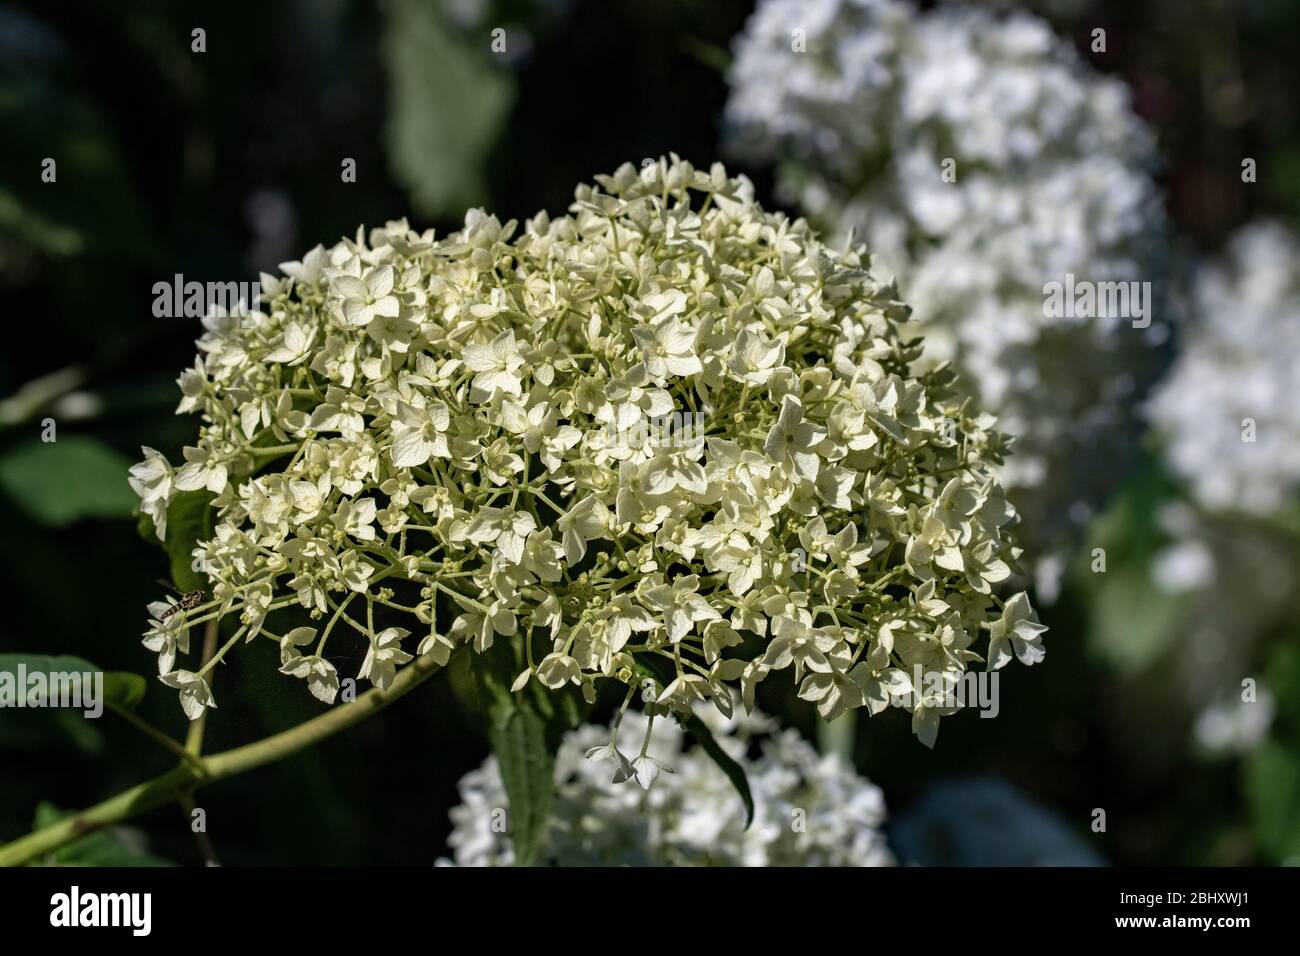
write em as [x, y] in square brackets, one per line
[187, 602]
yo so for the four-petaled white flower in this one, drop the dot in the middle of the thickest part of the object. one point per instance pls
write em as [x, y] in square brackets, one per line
[152, 480]
[363, 299]
[384, 656]
[165, 638]
[420, 434]
[587, 520]
[1016, 630]
[755, 358]
[202, 469]
[667, 348]
[322, 679]
[793, 441]
[196, 695]
[496, 364]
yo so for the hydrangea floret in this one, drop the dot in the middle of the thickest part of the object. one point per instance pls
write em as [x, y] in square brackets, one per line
[469, 432]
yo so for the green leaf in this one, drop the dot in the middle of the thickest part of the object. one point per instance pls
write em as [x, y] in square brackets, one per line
[1272, 783]
[34, 229]
[519, 741]
[82, 733]
[449, 100]
[716, 58]
[59, 482]
[189, 521]
[662, 671]
[145, 528]
[122, 690]
[1132, 621]
[116, 846]
[734, 771]
[525, 730]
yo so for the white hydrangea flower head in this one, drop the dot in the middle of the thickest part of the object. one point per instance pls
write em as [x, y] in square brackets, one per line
[862, 102]
[1229, 409]
[809, 809]
[669, 436]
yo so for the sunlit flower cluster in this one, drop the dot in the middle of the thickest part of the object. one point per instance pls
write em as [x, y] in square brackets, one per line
[448, 429]
[979, 159]
[809, 810]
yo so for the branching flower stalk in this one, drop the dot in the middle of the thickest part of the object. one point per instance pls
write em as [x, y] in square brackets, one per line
[198, 771]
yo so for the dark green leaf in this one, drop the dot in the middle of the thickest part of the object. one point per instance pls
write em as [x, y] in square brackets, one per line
[59, 482]
[716, 58]
[734, 771]
[1133, 622]
[527, 761]
[449, 101]
[145, 528]
[1272, 785]
[525, 730]
[33, 228]
[116, 846]
[122, 690]
[189, 521]
[83, 734]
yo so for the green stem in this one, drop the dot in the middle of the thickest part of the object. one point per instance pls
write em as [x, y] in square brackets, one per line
[188, 776]
[838, 736]
[154, 734]
[194, 737]
[206, 849]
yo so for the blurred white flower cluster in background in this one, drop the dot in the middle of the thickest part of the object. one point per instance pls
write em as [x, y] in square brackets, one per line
[1228, 417]
[860, 103]
[1238, 366]
[810, 810]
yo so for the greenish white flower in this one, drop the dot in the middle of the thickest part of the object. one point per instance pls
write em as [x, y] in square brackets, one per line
[152, 480]
[166, 637]
[195, 694]
[1017, 630]
[385, 656]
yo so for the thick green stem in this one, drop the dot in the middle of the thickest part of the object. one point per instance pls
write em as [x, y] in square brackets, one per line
[191, 775]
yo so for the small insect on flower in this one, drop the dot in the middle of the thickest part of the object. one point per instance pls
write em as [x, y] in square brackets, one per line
[188, 601]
